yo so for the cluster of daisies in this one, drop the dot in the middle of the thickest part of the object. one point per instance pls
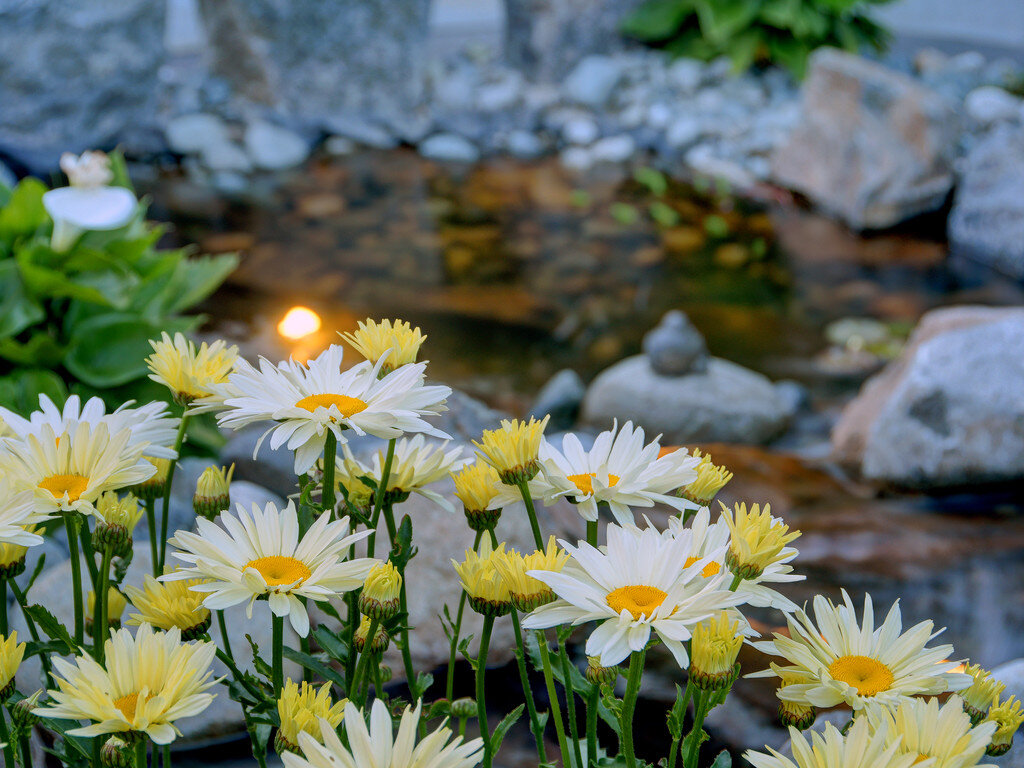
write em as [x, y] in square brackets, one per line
[629, 585]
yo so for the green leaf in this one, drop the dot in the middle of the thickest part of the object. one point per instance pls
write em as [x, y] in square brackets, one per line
[24, 213]
[335, 645]
[722, 19]
[54, 629]
[17, 310]
[507, 722]
[664, 214]
[20, 390]
[110, 350]
[724, 760]
[46, 282]
[198, 278]
[651, 178]
[315, 665]
[657, 19]
[624, 213]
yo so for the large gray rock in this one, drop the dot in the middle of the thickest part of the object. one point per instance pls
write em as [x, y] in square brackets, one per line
[560, 399]
[73, 74]
[724, 403]
[949, 411]
[546, 38]
[987, 220]
[313, 61]
[874, 147]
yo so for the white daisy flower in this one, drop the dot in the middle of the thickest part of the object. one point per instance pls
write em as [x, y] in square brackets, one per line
[937, 737]
[18, 514]
[379, 747]
[149, 424]
[619, 470]
[258, 554]
[860, 748]
[308, 400]
[416, 464]
[708, 537]
[637, 583]
[69, 471]
[852, 662]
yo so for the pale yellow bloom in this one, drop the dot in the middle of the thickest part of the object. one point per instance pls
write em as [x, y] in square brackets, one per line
[213, 491]
[150, 681]
[153, 487]
[476, 486]
[116, 603]
[380, 596]
[398, 339]
[710, 480]
[715, 646]
[123, 511]
[481, 578]
[513, 449]
[527, 592]
[11, 654]
[187, 372]
[859, 748]
[756, 539]
[795, 714]
[982, 693]
[12, 556]
[170, 604]
[300, 708]
[942, 735]
[1008, 717]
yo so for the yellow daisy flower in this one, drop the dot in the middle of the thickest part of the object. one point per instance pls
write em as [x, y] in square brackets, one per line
[170, 604]
[190, 373]
[301, 709]
[397, 339]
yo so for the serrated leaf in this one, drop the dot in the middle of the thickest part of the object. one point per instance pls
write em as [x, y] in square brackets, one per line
[56, 631]
[507, 722]
[315, 665]
[724, 760]
[335, 646]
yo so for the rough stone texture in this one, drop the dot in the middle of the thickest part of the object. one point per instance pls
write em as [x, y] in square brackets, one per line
[987, 220]
[312, 60]
[675, 347]
[949, 411]
[874, 146]
[725, 403]
[546, 38]
[73, 74]
[223, 717]
[560, 399]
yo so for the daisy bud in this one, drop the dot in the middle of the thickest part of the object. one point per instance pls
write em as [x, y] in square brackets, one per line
[527, 592]
[398, 339]
[757, 539]
[11, 654]
[1008, 717]
[300, 708]
[117, 754]
[599, 675]
[380, 596]
[476, 486]
[12, 557]
[464, 708]
[116, 603]
[512, 450]
[716, 644]
[21, 712]
[170, 604]
[378, 644]
[487, 590]
[385, 674]
[791, 713]
[153, 488]
[983, 692]
[213, 492]
[710, 480]
[116, 518]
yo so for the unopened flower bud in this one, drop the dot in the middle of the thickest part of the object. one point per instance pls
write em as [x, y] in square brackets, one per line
[798, 715]
[213, 492]
[757, 540]
[1008, 717]
[116, 603]
[710, 480]
[600, 675]
[380, 596]
[380, 640]
[21, 712]
[116, 518]
[117, 754]
[981, 694]
[715, 646]
[153, 488]
[463, 708]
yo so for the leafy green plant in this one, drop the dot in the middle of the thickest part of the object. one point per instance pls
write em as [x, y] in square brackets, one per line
[81, 320]
[756, 32]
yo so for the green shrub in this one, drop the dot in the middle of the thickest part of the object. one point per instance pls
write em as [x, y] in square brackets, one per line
[756, 32]
[80, 321]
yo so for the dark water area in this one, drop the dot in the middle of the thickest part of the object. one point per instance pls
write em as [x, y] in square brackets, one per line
[516, 270]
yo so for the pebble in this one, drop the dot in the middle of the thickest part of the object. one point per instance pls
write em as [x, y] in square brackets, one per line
[192, 134]
[592, 81]
[273, 148]
[577, 158]
[614, 149]
[225, 156]
[580, 130]
[449, 147]
[990, 104]
[339, 146]
[525, 145]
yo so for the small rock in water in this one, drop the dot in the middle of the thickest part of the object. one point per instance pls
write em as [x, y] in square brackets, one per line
[273, 148]
[499, 96]
[686, 74]
[580, 130]
[592, 81]
[339, 146]
[449, 147]
[990, 104]
[192, 134]
[683, 132]
[577, 158]
[362, 132]
[524, 144]
[675, 347]
[560, 399]
[614, 149]
[226, 156]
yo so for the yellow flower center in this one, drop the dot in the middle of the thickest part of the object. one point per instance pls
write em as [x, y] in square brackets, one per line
[869, 676]
[278, 569]
[639, 600]
[585, 482]
[921, 758]
[709, 570]
[127, 705]
[73, 485]
[348, 406]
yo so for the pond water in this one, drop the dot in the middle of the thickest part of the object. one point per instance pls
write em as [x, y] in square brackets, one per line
[517, 270]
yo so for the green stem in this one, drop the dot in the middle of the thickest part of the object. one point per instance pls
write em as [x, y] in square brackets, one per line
[166, 761]
[239, 676]
[153, 546]
[593, 699]
[524, 679]
[3, 607]
[636, 671]
[524, 489]
[178, 442]
[224, 634]
[261, 758]
[570, 701]
[403, 609]
[99, 614]
[592, 532]
[88, 554]
[71, 526]
[304, 646]
[327, 498]
[25, 746]
[449, 687]
[735, 583]
[378, 680]
[556, 710]
[357, 679]
[378, 499]
[5, 736]
[352, 619]
[277, 625]
[140, 754]
[481, 706]
[33, 632]
[693, 741]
